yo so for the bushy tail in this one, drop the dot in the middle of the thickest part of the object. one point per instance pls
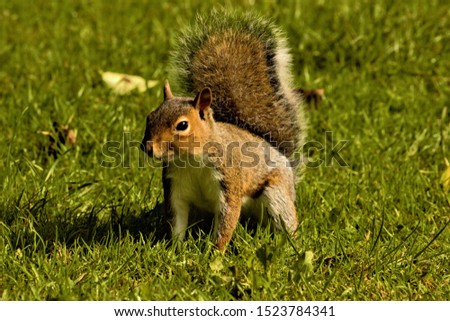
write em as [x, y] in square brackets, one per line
[245, 61]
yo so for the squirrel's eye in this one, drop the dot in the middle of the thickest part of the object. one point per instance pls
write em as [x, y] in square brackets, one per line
[182, 125]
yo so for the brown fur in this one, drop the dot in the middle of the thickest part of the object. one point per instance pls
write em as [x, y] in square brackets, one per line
[273, 185]
[251, 87]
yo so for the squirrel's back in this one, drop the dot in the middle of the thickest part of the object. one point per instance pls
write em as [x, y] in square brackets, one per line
[245, 61]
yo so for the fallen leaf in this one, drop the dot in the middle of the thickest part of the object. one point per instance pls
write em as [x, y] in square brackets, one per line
[306, 262]
[312, 96]
[309, 255]
[44, 132]
[61, 135]
[445, 179]
[123, 84]
[216, 265]
[152, 83]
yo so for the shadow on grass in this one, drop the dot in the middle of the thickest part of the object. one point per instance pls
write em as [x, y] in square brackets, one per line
[39, 230]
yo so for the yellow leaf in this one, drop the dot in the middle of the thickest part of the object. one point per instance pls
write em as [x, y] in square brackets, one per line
[152, 83]
[445, 179]
[123, 84]
[216, 265]
[309, 255]
[306, 263]
[44, 132]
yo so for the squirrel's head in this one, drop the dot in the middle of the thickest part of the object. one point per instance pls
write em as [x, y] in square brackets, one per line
[179, 126]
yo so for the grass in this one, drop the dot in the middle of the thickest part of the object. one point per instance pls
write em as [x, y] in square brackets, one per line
[377, 229]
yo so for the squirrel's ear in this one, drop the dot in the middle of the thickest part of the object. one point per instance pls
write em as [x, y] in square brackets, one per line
[167, 92]
[203, 99]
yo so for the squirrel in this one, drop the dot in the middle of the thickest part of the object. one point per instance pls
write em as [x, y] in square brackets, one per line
[228, 150]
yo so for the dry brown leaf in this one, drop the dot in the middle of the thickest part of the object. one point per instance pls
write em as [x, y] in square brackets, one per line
[312, 96]
[62, 135]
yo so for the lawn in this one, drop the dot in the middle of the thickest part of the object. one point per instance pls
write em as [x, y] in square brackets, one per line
[373, 228]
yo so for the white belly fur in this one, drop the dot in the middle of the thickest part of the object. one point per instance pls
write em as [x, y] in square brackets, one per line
[201, 187]
[196, 186]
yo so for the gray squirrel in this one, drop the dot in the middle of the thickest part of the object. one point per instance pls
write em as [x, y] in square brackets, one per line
[237, 68]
